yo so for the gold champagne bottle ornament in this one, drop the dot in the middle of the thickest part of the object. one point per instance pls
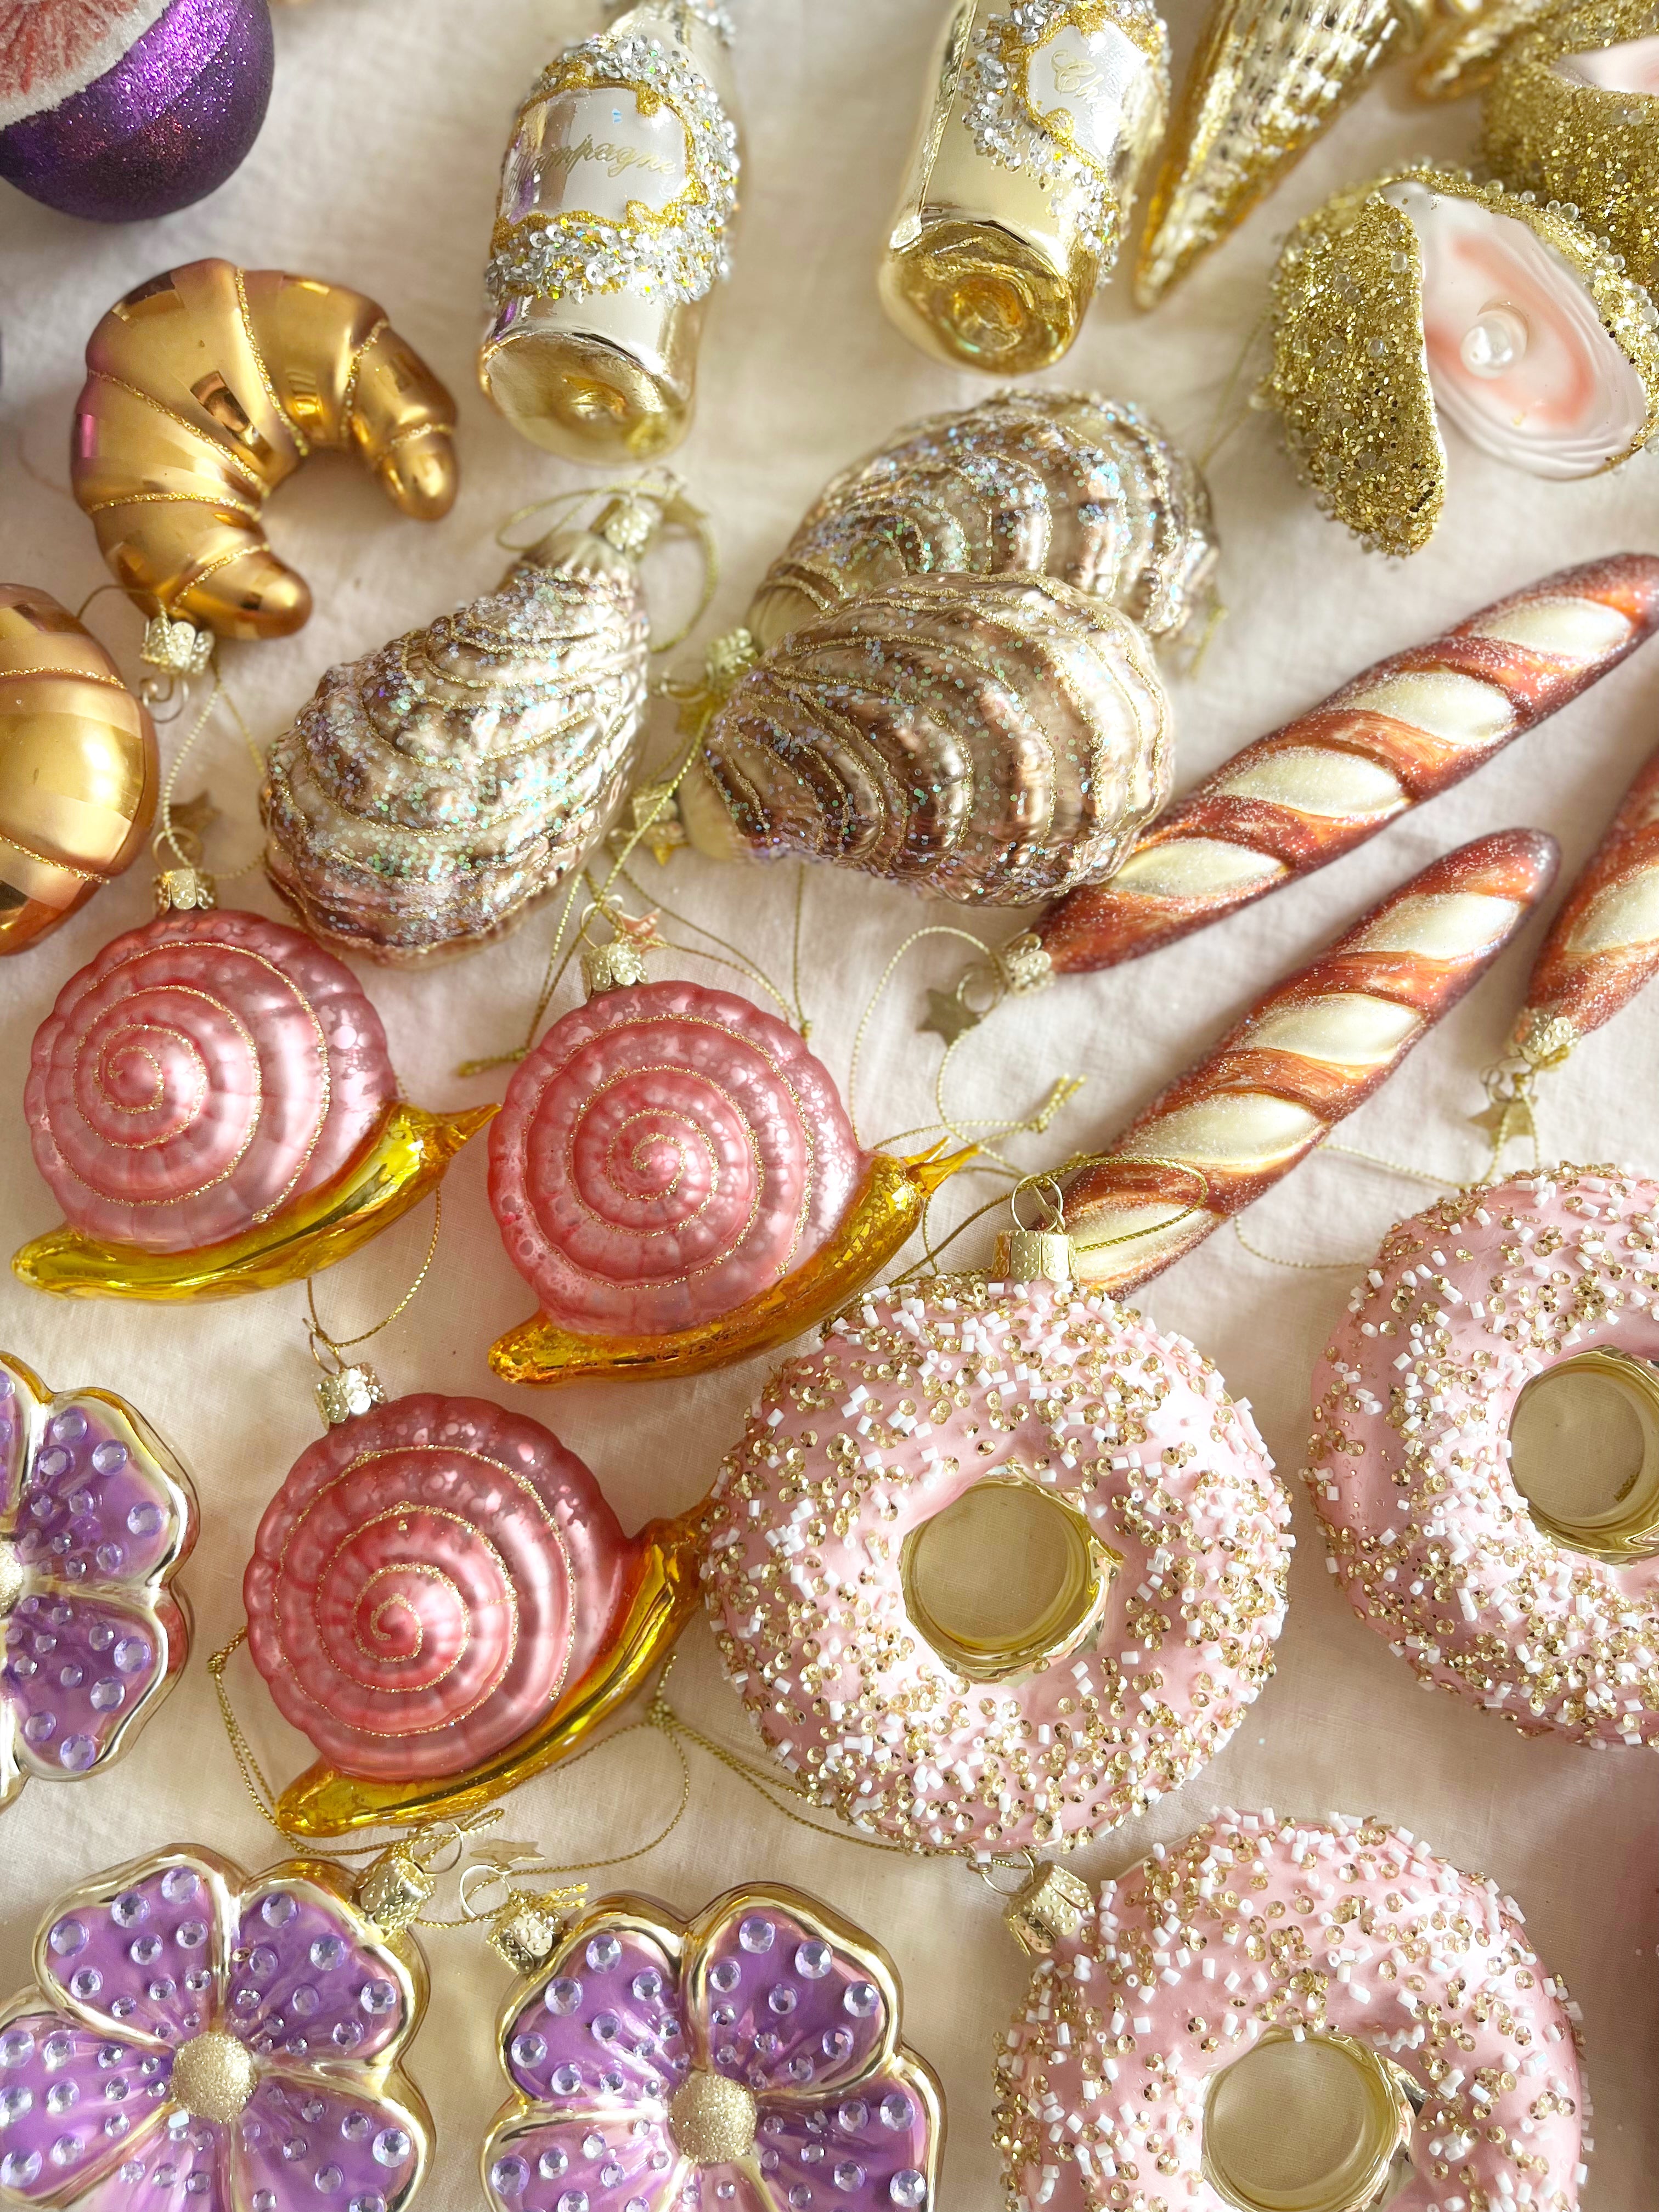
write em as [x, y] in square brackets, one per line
[1039, 118]
[618, 191]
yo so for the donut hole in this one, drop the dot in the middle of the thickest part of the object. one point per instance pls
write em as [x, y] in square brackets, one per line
[1006, 1579]
[1309, 2123]
[1584, 1454]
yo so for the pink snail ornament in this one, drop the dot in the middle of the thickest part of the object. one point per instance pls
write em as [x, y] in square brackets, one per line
[676, 1178]
[440, 1598]
[211, 1102]
[97, 1517]
[195, 2034]
[748, 2057]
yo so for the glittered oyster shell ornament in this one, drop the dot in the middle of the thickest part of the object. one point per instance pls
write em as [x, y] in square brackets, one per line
[619, 196]
[195, 2034]
[1253, 2088]
[1461, 55]
[206, 388]
[1038, 119]
[989, 739]
[78, 771]
[1269, 77]
[211, 1103]
[1572, 115]
[676, 1177]
[1074, 485]
[1425, 293]
[943, 1564]
[764, 2067]
[432, 793]
[97, 1517]
[442, 1599]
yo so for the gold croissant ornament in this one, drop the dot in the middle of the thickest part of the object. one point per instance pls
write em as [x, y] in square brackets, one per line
[205, 389]
[1424, 293]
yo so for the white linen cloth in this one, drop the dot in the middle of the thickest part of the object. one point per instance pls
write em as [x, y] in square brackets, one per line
[377, 167]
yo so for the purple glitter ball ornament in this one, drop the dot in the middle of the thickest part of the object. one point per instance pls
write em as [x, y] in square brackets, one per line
[117, 109]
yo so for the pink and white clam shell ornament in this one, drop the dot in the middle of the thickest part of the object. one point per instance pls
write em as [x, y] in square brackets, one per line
[749, 2057]
[197, 2036]
[96, 1519]
[213, 1105]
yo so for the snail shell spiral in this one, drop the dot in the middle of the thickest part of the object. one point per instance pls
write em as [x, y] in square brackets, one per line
[426, 1581]
[431, 793]
[666, 1153]
[1069, 484]
[988, 739]
[201, 1074]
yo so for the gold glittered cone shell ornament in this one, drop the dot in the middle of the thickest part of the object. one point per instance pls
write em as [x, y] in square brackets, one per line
[1075, 485]
[986, 739]
[206, 388]
[1425, 293]
[1461, 56]
[1572, 114]
[78, 771]
[433, 791]
[1270, 77]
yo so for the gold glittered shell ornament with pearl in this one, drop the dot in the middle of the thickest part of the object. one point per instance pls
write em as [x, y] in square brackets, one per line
[1075, 485]
[1572, 114]
[989, 739]
[1424, 293]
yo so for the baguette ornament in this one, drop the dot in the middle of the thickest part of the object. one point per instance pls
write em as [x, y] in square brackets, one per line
[1399, 733]
[206, 388]
[1424, 293]
[1313, 1049]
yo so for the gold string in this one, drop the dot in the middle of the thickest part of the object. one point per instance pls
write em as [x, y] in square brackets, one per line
[934, 929]
[735, 957]
[337, 1344]
[1050, 1176]
[167, 833]
[1320, 1267]
[667, 493]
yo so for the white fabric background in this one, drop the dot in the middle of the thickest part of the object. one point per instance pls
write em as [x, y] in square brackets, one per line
[377, 167]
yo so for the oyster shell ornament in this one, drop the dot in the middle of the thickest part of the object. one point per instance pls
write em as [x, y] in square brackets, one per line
[1073, 485]
[1425, 293]
[1038, 120]
[1461, 55]
[97, 1517]
[440, 1598]
[1269, 77]
[432, 793]
[989, 739]
[78, 771]
[1572, 115]
[211, 1102]
[676, 1177]
[206, 388]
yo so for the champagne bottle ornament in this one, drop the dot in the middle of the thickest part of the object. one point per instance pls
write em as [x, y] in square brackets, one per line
[1498, 1369]
[173, 462]
[1037, 119]
[618, 195]
[676, 1178]
[1424, 293]
[78, 771]
[131, 110]
[194, 2029]
[97, 1519]
[433, 792]
[751, 2054]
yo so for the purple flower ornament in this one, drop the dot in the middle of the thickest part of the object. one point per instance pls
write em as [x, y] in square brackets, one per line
[198, 2040]
[96, 1518]
[747, 2061]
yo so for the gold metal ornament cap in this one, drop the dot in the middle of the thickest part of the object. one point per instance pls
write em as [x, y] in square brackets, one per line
[1048, 1911]
[1591, 144]
[1033, 1255]
[393, 1891]
[611, 967]
[1349, 376]
[341, 1396]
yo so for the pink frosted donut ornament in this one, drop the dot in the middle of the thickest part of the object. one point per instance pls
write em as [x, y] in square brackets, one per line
[1486, 1450]
[676, 1179]
[1278, 2013]
[211, 1102]
[442, 1599]
[997, 1566]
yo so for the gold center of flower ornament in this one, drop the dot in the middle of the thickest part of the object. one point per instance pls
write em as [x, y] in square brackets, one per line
[213, 2076]
[713, 2119]
[11, 1578]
